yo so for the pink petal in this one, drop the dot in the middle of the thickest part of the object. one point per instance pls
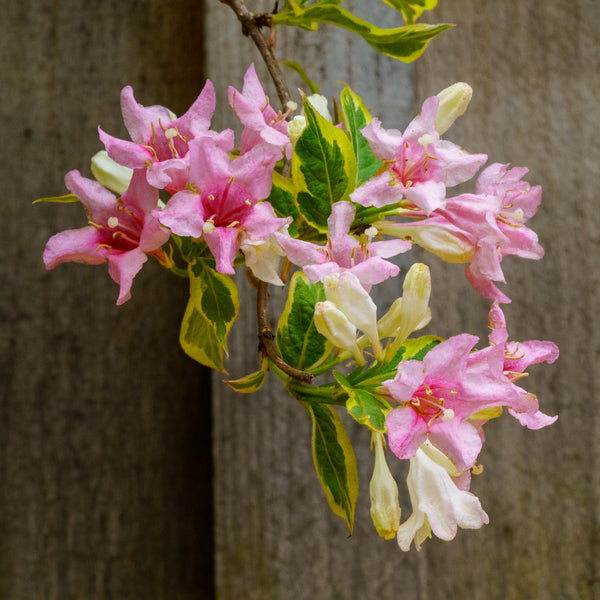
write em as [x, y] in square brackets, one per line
[406, 431]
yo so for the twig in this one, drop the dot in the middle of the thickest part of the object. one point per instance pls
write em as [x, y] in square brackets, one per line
[266, 337]
[250, 27]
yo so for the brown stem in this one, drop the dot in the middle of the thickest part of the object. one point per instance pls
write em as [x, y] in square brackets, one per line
[250, 27]
[266, 337]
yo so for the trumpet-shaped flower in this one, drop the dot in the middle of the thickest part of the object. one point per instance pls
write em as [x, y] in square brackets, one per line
[159, 140]
[223, 205]
[438, 395]
[480, 229]
[262, 124]
[121, 231]
[362, 258]
[517, 357]
[346, 292]
[419, 166]
[439, 504]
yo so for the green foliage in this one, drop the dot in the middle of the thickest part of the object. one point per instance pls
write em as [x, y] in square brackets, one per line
[356, 117]
[211, 311]
[298, 341]
[335, 461]
[411, 9]
[296, 67]
[323, 168]
[282, 201]
[252, 382]
[58, 199]
[404, 43]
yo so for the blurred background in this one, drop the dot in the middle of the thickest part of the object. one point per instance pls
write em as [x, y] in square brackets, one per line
[127, 471]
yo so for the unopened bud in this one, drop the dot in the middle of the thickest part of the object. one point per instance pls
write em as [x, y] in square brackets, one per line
[411, 312]
[453, 103]
[385, 508]
[295, 128]
[319, 103]
[347, 293]
[334, 325]
[110, 173]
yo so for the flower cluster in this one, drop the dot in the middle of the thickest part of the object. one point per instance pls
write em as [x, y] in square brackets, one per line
[338, 201]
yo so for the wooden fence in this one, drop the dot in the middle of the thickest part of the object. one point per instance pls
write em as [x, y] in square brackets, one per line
[106, 427]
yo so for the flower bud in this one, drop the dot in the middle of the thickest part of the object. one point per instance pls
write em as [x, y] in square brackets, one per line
[385, 508]
[442, 239]
[347, 293]
[411, 312]
[110, 173]
[296, 127]
[319, 103]
[333, 324]
[453, 103]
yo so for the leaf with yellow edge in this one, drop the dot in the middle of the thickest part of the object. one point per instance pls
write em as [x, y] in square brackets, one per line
[411, 9]
[252, 382]
[487, 413]
[404, 43]
[335, 461]
[59, 199]
[212, 308]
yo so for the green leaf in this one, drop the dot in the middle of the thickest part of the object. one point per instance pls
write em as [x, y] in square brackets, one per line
[365, 407]
[404, 43]
[356, 117]
[252, 382]
[411, 9]
[211, 311]
[198, 339]
[59, 199]
[298, 341]
[335, 461]
[216, 296]
[296, 67]
[412, 349]
[323, 168]
[282, 201]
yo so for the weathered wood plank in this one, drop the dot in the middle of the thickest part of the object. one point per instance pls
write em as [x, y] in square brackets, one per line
[104, 423]
[535, 73]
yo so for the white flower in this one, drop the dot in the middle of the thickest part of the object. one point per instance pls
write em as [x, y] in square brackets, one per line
[439, 506]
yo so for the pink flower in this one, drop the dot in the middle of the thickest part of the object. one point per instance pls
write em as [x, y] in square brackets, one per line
[262, 124]
[438, 395]
[222, 207]
[121, 231]
[517, 357]
[364, 259]
[480, 229]
[419, 166]
[160, 140]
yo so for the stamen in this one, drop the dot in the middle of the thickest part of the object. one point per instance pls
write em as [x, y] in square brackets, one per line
[208, 227]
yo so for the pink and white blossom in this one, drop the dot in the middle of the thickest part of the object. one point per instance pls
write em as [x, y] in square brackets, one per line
[440, 501]
[262, 123]
[223, 205]
[364, 258]
[418, 165]
[438, 395]
[160, 140]
[517, 357]
[121, 231]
